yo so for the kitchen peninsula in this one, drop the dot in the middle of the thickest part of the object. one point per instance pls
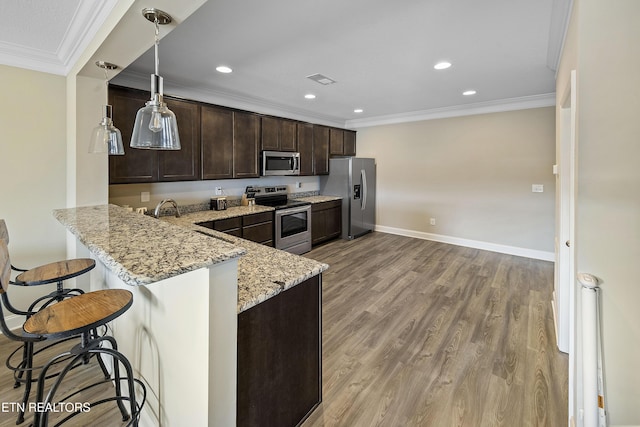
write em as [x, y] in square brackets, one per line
[200, 298]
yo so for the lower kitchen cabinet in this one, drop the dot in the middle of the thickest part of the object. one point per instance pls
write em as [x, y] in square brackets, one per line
[279, 358]
[258, 228]
[255, 227]
[326, 221]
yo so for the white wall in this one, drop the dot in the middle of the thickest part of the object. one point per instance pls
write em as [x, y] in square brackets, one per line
[473, 174]
[33, 150]
[604, 49]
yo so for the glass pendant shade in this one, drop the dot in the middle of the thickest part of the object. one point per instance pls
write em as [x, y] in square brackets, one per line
[106, 138]
[156, 127]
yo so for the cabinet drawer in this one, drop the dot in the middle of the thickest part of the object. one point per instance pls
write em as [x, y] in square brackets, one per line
[325, 205]
[257, 218]
[227, 224]
[260, 233]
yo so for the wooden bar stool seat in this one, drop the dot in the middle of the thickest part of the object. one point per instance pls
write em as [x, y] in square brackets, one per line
[80, 315]
[55, 272]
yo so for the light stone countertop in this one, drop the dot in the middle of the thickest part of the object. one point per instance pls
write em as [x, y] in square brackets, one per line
[318, 199]
[263, 271]
[142, 250]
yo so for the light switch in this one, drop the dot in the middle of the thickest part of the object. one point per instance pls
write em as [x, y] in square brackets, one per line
[537, 188]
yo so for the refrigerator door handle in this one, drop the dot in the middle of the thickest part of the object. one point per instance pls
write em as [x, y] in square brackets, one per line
[363, 179]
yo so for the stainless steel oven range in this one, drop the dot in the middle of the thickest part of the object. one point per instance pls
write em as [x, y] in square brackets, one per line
[292, 218]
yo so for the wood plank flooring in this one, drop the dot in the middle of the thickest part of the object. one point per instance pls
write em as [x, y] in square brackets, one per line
[420, 333]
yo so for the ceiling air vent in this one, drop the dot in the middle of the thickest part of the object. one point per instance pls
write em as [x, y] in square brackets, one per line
[319, 78]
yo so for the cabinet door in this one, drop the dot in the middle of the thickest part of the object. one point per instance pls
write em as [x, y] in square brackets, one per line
[333, 221]
[136, 165]
[288, 139]
[336, 142]
[318, 226]
[183, 164]
[216, 126]
[349, 143]
[270, 133]
[320, 150]
[278, 134]
[305, 147]
[246, 136]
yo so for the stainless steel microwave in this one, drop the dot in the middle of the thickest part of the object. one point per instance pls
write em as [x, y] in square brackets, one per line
[280, 163]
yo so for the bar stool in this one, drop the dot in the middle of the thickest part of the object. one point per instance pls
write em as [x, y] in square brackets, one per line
[56, 272]
[80, 315]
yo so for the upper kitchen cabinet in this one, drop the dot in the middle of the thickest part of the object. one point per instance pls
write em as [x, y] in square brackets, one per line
[153, 165]
[278, 134]
[230, 142]
[217, 142]
[320, 150]
[246, 139]
[305, 148]
[342, 142]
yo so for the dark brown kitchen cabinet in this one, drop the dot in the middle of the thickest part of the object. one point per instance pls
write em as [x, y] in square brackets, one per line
[246, 138]
[217, 142]
[258, 228]
[279, 358]
[305, 148]
[153, 165]
[336, 142]
[278, 134]
[349, 146]
[342, 142]
[326, 221]
[320, 150]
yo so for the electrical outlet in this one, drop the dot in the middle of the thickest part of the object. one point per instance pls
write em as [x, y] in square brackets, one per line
[218, 191]
[144, 196]
[298, 184]
[432, 221]
[537, 188]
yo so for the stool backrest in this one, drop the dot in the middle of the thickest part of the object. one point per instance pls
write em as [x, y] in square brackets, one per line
[4, 232]
[5, 267]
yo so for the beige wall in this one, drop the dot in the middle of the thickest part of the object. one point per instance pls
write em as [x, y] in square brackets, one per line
[473, 174]
[33, 173]
[606, 54]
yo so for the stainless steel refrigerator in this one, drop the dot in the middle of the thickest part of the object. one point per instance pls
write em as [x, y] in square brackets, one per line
[353, 179]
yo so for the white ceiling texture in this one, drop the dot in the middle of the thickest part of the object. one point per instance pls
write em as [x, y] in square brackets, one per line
[381, 54]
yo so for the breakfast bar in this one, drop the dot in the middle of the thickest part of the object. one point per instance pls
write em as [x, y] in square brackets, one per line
[190, 286]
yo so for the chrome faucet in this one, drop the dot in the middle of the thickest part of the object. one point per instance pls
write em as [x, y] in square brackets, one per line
[156, 213]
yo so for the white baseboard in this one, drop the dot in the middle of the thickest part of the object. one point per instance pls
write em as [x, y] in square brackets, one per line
[476, 244]
[13, 322]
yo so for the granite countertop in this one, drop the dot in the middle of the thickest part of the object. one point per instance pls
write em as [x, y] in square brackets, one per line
[139, 249]
[263, 271]
[142, 250]
[318, 199]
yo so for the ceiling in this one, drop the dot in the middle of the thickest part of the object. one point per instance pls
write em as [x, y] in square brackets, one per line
[381, 54]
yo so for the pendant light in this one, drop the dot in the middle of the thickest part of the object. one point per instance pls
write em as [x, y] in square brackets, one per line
[156, 127]
[106, 138]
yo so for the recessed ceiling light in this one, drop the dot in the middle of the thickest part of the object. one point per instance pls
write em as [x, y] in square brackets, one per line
[310, 96]
[469, 92]
[358, 110]
[443, 65]
[223, 69]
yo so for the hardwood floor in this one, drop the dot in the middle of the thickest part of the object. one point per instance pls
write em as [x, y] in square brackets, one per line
[420, 333]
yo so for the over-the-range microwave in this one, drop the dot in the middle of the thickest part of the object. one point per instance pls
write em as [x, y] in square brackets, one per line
[280, 163]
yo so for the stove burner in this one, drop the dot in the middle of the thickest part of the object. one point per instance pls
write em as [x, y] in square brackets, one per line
[275, 197]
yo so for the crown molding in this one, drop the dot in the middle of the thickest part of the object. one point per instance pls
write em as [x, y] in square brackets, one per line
[85, 23]
[497, 106]
[560, 17]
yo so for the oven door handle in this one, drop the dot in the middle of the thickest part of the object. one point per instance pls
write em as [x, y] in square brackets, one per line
[297, 209]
